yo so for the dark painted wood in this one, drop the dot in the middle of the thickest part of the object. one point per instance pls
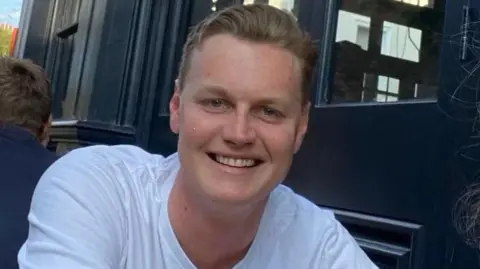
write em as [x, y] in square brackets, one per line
[68, 31]
[88, 133]
[317, 17]
[115, 61]
[58, 60]
[221, 4]
[159, 138]
[381, 161]
[72, 134]
[112, 72]
[460, 98]
[36, 40]
[145, 75]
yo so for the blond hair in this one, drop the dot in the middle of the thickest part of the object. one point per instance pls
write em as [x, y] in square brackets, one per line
[257, 23]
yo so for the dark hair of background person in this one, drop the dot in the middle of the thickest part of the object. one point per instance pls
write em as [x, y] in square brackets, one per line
[25, 95]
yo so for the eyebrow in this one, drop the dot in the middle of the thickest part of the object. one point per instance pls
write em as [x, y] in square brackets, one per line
[216, 90]
[222, 92]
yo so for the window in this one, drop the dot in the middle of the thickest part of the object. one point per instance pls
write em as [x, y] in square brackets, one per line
[402, 42]
[420, 3]
[10, 11]
[358, 34]
[386, 51]
[387, 89]
[283, 4]
[362, 37]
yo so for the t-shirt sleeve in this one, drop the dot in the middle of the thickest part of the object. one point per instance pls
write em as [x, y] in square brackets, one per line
[341, 251]
[76, 219]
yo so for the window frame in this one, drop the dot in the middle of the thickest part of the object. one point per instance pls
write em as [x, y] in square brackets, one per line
[22, 32]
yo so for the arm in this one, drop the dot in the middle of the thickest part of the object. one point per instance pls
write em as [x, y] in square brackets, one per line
[76, 216]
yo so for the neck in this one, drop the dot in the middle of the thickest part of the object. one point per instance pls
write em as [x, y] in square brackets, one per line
[212, 236]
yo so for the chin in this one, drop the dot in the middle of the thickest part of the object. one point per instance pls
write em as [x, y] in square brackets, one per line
[232, 191]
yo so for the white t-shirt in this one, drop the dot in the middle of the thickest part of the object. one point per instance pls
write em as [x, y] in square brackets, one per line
[105, 207]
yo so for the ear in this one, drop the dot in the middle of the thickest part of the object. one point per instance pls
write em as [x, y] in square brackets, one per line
[302, 126]
[174, 107]
[45, 136]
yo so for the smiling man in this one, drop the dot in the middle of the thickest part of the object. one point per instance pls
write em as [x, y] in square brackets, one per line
[240, 109]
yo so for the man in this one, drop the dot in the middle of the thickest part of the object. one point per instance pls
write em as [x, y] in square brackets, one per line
[25, 101]
[240, 108]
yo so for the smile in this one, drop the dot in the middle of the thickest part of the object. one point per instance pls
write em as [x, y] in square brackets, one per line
[234, 162]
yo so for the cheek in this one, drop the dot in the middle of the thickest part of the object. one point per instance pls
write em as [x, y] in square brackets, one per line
[280, 141]
[194, 126]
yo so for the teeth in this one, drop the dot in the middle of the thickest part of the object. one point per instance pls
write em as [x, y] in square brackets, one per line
[234, 162]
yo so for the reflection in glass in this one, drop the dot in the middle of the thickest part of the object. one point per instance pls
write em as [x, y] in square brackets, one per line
[421, 3]
[10, 11]
[387, 51]
[358, 28]
[282, 4]
[7, 39]
[387, 89]
[401, 42]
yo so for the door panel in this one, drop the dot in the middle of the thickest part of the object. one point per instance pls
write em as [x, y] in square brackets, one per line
[370, 158]
[379, 165]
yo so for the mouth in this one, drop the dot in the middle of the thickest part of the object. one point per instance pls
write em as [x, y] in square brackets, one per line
[235, 161]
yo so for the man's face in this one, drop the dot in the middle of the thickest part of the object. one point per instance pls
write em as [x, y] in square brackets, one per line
[239, 117]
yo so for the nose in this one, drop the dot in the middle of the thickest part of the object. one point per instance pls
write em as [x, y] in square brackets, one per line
[238, 131]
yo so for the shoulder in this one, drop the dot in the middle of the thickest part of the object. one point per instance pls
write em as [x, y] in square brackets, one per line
[129, 155]
[119, 160]
[119, 169]
[89, 199]
[288, 199]
[316, 230]
[302, 213]
[47, 158]
[16, 155]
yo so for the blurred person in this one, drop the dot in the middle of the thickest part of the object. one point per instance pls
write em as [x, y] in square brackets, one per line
[25, 102]
[240, 108]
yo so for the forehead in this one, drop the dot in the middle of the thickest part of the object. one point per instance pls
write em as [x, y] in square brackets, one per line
[245, 67]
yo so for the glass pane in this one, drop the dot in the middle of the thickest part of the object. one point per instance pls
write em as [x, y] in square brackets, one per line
[283, 4]
[291, 5]
[387, 50]
[10, 11]
[401, 42]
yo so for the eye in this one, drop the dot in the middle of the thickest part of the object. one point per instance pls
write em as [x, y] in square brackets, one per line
[215, 105]
[215, 102]
[271, 113]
